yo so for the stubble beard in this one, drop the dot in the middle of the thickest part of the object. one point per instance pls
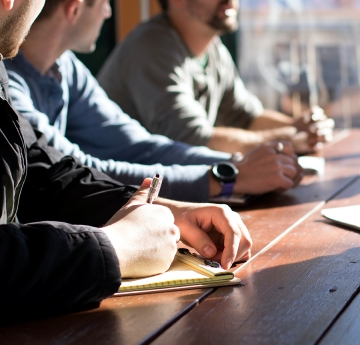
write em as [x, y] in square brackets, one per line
[224, 26]
[219, 24]
[13, 31]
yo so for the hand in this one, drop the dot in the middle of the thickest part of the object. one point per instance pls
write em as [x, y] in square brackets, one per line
[314, 128]
[264, 169]
[214, 231]
[144, 236]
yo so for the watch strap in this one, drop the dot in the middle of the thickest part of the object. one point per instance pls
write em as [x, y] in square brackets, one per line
[227, 188]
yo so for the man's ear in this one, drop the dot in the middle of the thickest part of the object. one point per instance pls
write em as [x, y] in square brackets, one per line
[73, 10]
[8, 4]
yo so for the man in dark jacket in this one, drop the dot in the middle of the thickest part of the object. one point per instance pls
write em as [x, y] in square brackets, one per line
[63, 259]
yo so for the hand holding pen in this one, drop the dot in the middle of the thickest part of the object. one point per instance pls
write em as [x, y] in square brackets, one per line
[139, 230]
[154, 188]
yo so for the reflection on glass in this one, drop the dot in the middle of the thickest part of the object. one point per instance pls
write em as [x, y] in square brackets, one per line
[297, 53]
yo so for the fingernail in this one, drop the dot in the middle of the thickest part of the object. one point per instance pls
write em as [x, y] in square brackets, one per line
[229, 264]
[209, 251]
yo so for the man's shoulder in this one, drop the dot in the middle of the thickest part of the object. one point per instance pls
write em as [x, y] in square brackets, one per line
[217, 47]
[3, 82]
[3, 74]
[71, 67]
[155, 32]
[69, 58]
[159, 24]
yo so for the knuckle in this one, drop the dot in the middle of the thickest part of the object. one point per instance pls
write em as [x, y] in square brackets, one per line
[249, 242]
[174, 230]
[225, 209]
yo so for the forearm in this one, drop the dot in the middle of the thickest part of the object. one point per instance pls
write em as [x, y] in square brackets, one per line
[244, 140]
[270, 119]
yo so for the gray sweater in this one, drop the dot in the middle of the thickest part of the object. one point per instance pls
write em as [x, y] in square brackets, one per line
[155, 79]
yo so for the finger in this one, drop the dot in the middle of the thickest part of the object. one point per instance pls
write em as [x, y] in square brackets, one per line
[176, 232]
[237, 241]
[287, 176]
[200, 241]
[226, 222]
[322, 135]
[244, 251]
[299, 176]
[287, 159]
[318, 113]
[141, 194]
[282, 146]
[328, 123]
[324, 131]
[288, 148]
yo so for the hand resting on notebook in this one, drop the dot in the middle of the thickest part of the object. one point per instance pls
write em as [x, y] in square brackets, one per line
[214, 231]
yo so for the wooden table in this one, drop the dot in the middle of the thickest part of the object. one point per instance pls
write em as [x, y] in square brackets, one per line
[300, 287]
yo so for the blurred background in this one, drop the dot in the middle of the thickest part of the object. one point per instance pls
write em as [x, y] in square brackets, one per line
[291, 53]
[296, 53]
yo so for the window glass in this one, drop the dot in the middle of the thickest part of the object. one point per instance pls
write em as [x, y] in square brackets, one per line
[296, 53]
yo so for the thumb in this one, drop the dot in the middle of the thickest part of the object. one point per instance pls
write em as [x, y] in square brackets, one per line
[140, 196]
[200, 241]
[138, 199]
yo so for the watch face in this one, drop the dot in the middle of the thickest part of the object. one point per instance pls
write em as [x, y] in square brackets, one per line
[225, 171]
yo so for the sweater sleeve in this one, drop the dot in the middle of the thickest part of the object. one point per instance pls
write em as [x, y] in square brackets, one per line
[112, 142]
[49, 267]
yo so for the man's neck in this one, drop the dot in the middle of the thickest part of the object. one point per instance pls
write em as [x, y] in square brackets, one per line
[42, 47]
[197, 36]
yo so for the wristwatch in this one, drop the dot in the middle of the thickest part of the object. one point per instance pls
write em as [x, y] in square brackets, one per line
[225, 173]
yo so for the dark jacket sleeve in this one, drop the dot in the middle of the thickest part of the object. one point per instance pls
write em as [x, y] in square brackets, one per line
[49, 267]
[62, 189]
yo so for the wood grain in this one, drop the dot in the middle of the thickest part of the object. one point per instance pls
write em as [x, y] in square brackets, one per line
[346, 329]
[272, 214]
[119, 320]
[292, 293]
[295, 289]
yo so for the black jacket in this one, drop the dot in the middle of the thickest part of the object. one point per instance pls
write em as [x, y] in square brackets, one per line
[48, 264]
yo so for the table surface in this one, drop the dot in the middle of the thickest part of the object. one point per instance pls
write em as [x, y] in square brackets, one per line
[300, 287]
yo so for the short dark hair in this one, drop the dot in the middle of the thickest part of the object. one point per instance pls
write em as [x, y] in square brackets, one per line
[164, 5]
[51, 6]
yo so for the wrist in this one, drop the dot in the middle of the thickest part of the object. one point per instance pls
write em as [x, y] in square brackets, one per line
[225, 174]
[214, 185]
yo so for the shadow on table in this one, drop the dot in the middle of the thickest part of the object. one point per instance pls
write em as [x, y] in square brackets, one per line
[292, 303]
[120, 320]
[314, 192]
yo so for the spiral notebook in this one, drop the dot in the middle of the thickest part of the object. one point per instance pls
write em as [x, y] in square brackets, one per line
[188, 271]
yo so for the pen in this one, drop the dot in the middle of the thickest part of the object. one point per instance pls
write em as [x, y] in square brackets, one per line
[154, 188]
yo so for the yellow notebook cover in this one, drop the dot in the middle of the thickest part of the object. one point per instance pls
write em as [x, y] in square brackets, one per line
[188, 270]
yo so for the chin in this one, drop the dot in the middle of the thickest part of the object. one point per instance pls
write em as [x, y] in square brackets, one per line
[10, 52]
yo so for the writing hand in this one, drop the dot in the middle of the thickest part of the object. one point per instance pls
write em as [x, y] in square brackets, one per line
[144, 236]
